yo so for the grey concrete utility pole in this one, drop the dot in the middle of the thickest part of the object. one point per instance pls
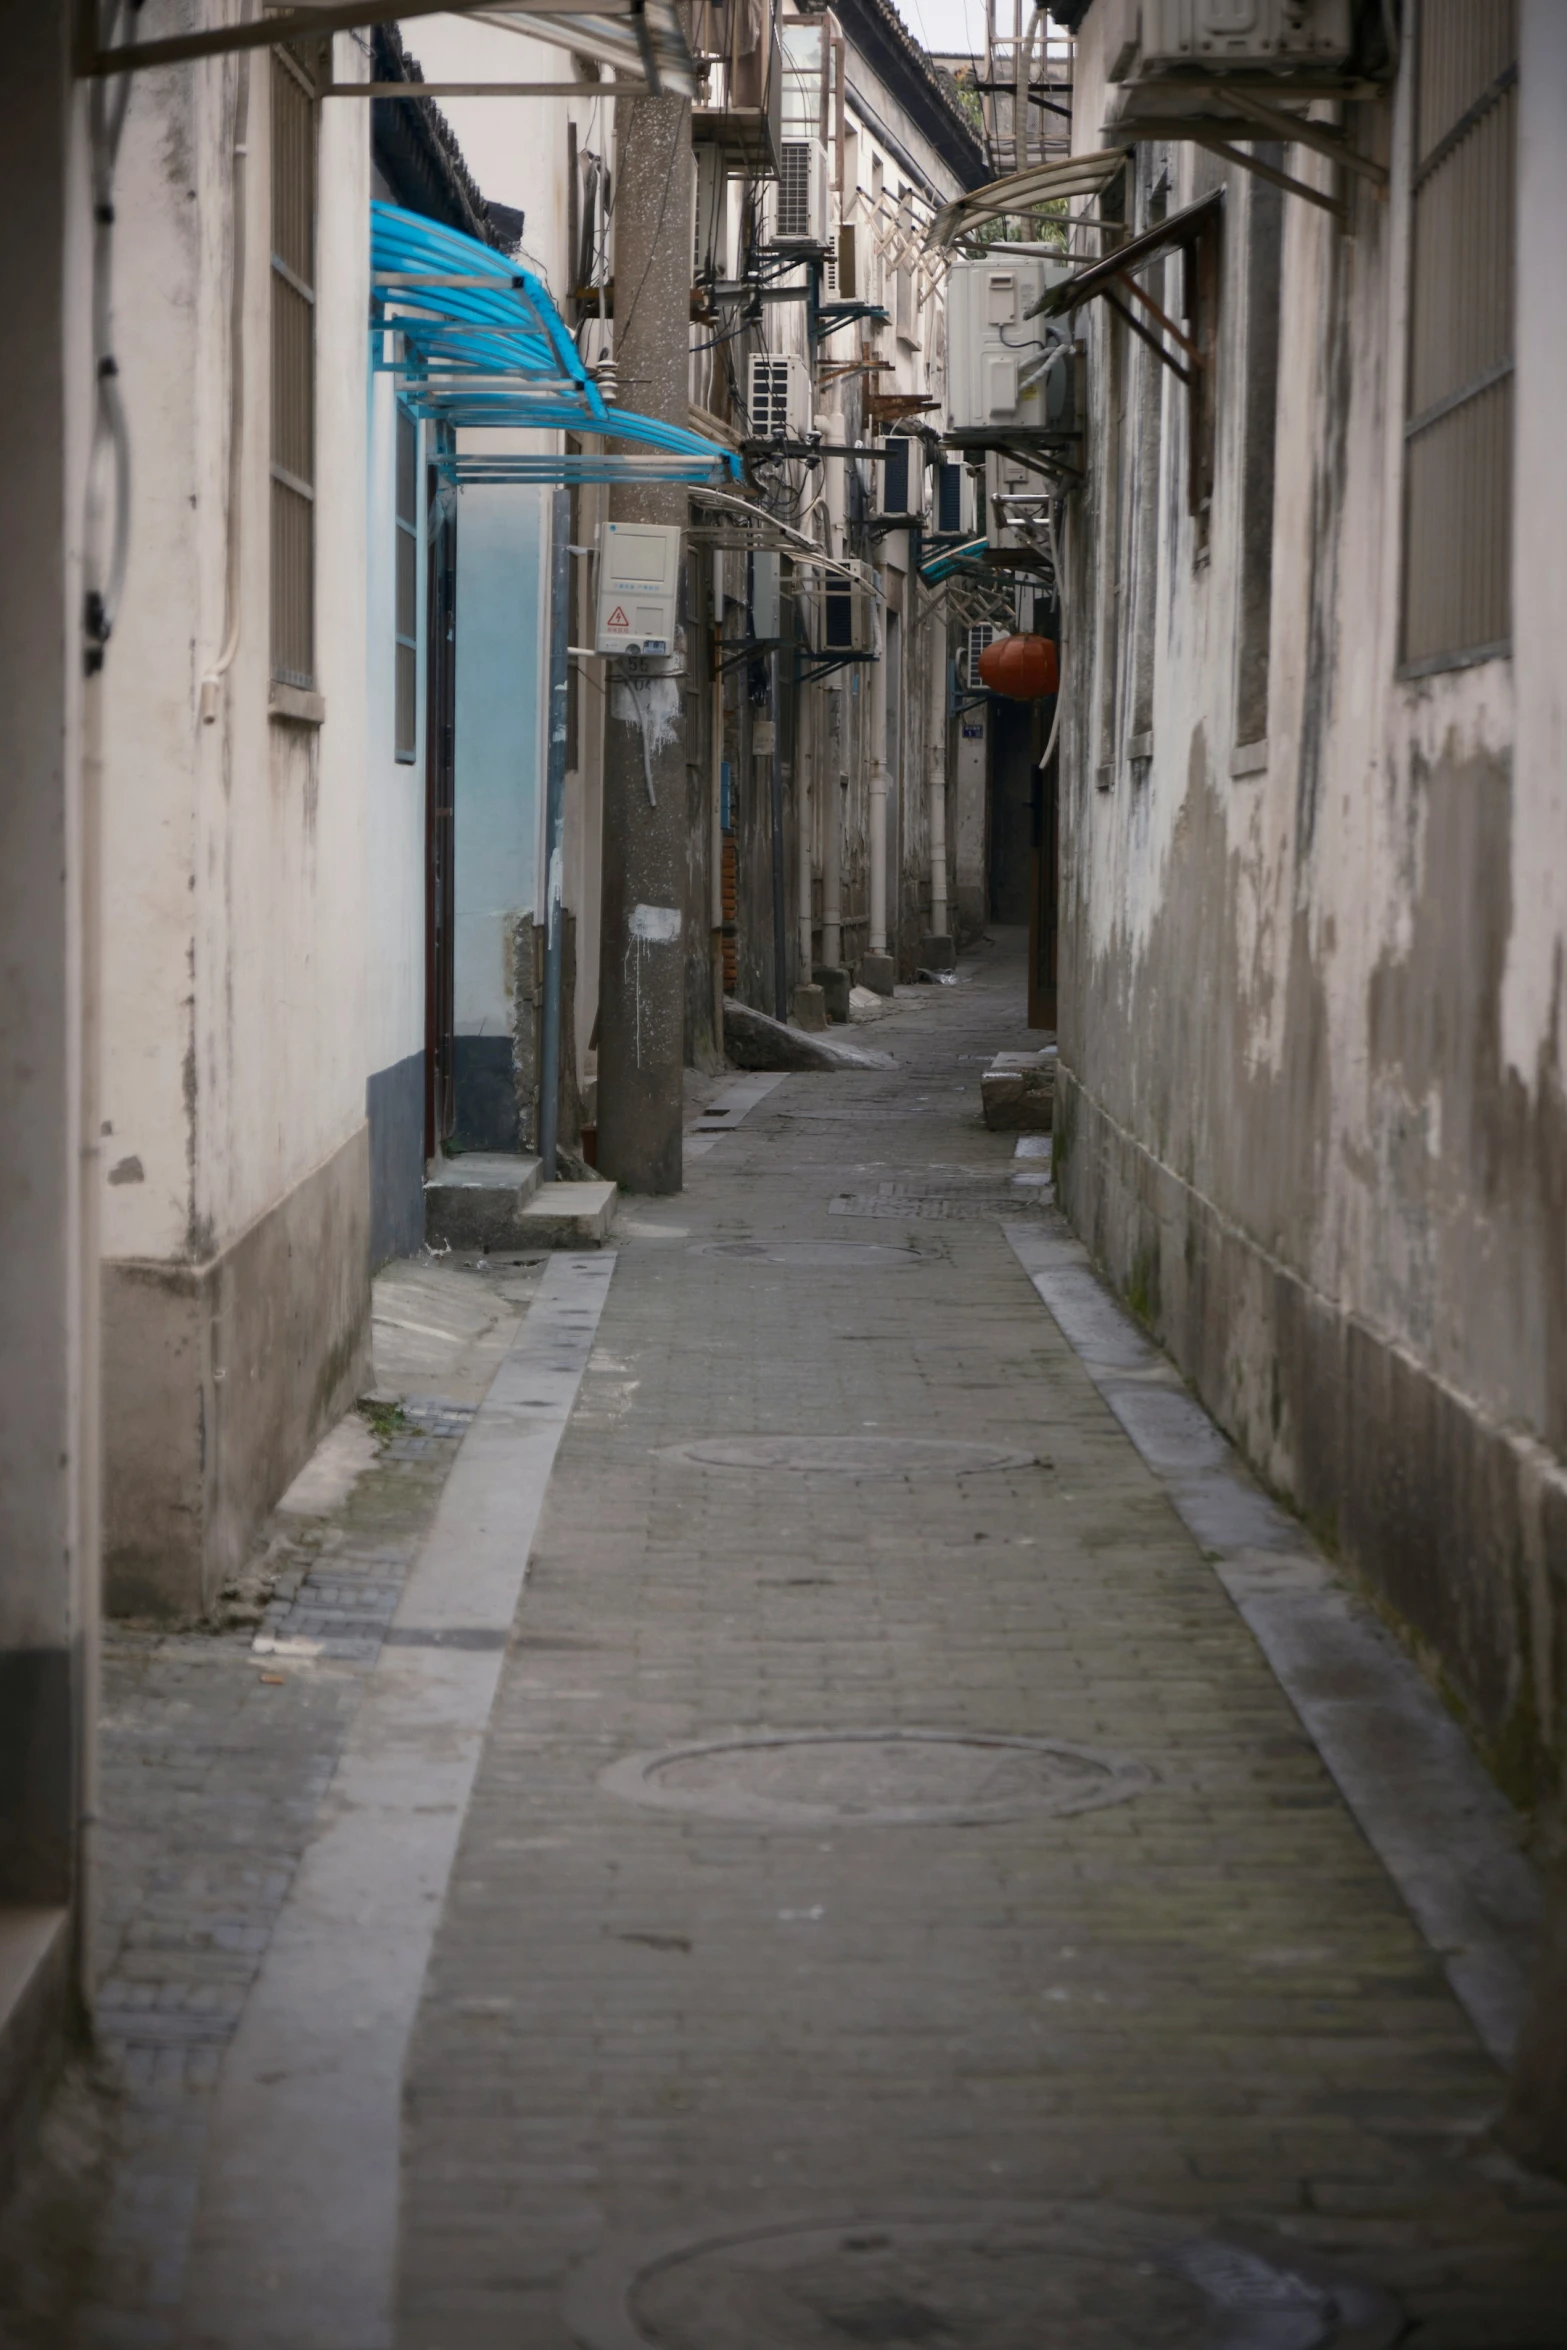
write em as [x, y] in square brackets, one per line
[642, 956]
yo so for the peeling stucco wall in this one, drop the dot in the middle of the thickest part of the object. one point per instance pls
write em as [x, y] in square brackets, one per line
[1313, 1113]
[236, 1044]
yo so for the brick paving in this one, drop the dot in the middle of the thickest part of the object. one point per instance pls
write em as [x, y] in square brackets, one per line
[1011, 2072]
[217, 1745]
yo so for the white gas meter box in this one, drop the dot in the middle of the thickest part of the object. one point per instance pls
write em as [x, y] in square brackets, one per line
[639, 587]
[997, 354]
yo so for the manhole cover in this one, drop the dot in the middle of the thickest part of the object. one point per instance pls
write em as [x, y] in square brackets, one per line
[814, 1778]
[910, 1204]
[1000, 2279]
[851, 1456]
[830, 1255]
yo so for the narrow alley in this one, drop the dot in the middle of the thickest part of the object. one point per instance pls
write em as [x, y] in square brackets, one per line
[783, 1021]
[897, 1902]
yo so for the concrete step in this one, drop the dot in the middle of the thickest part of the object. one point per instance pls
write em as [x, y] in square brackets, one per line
[569, 1215]
[477, 1201]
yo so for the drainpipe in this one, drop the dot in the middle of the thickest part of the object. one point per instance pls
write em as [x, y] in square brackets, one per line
[555, 830]
[780, 936]
[936, 774]
[832, 841]
[878, 840]
[716, 805]
[805, 769]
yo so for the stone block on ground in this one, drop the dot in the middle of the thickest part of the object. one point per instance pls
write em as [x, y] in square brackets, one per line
[569, 1215]
[1017, 1092]
[753, 1041]
[477, 1201]
[877, 971]
[808, 1007]
[937, 952]
[865, 1004]
[834, 982]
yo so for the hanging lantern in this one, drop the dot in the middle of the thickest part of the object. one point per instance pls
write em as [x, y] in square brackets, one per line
[1023, 668]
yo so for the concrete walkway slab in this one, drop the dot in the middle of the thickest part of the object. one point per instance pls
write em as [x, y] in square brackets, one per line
[788, 1993]
[295, 2239]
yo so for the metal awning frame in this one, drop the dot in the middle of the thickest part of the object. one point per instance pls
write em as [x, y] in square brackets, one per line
[473, 342]
[1110, 279]
[644, 36]
[1025, 191]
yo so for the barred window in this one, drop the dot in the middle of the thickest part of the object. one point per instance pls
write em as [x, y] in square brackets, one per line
[1458, 437]
[407, 654]
[293, 373]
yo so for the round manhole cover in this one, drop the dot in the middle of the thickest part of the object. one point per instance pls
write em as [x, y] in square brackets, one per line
[817, 1778]
[814, 1255]
[1001, 2279]
[852, 1456]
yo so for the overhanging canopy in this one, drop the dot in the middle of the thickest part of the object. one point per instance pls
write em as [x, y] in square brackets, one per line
[640, 37]
[1025, 191]
[478, 343]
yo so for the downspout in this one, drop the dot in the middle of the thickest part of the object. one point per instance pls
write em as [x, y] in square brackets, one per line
[805, 769]
[936, 772]
[555, 830]
[878, 810]
[716, 805]
[212, 681]
[780, 936]
[834, 783]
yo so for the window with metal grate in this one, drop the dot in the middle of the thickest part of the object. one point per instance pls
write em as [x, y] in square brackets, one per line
[1458, 431]
[293, 373]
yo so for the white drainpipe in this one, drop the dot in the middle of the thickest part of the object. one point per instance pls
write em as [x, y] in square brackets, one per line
[936, 772]
[878, 840]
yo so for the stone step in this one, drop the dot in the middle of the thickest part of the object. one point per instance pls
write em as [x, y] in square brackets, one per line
[569, 1215]
[1018, 1091]
[477, 1201]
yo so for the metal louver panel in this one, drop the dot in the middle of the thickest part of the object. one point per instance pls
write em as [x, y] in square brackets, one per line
[794, 189]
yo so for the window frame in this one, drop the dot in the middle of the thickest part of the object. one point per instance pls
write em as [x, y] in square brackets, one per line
[292, 491]
[1483, 109]
[405, 747]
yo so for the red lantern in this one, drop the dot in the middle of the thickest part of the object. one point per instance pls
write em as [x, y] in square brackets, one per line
[1023, 668]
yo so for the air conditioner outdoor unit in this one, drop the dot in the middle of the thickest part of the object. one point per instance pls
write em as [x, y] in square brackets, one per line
[802, 216]
[900, 486]
[980, 634]
[954, 500]
[998, 356]
[780, 401]
[847, 609]
[1015, 503]
[1155, 38]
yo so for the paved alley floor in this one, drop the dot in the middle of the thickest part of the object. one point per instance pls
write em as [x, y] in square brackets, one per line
[872, 1888]
[898, 1902]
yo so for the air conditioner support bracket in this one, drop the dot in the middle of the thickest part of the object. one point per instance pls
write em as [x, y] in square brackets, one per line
[808, 667]
[1281, 179]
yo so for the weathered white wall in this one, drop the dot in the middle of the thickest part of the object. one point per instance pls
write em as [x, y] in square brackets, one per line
[235, 1199]
[235, 942]
[395, 797]
[1305, 1120]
